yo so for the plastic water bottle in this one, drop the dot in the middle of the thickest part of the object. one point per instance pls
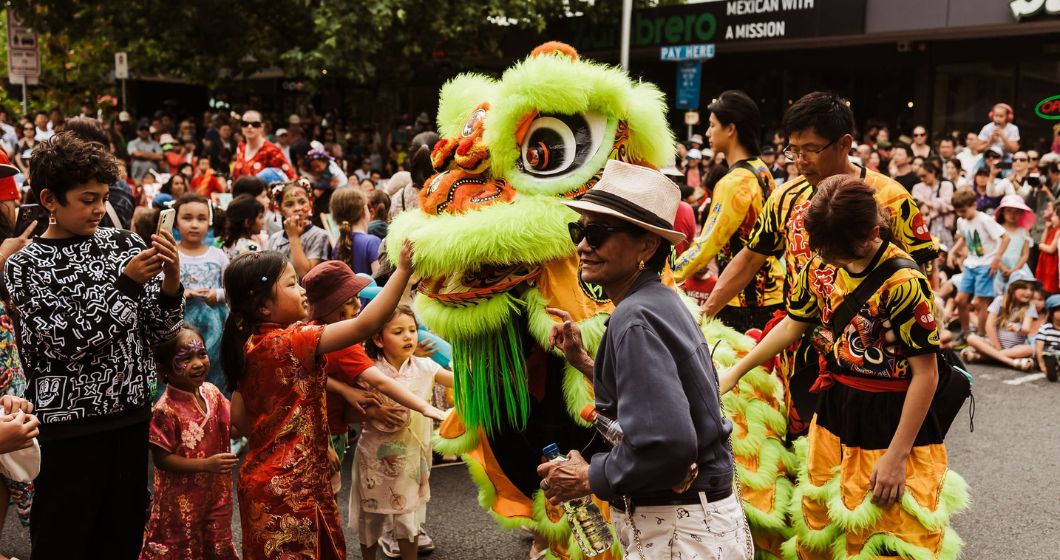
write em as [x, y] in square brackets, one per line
[607, 427]
[587, 524]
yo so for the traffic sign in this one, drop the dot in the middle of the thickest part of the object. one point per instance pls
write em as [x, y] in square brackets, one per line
[689, 77]
[121, 66]
[687, 52]
[23, 56]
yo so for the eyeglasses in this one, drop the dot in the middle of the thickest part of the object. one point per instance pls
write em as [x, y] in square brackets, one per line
[1020, 159]
[919, 134]
[252, 124]
[805, 153]
[593, 233]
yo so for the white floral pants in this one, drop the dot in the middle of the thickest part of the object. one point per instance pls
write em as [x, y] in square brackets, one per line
[704, 531]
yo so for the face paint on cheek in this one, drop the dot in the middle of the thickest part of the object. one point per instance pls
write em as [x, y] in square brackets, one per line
[185, 354]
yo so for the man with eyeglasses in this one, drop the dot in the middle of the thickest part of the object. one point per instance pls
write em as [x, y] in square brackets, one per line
[256, 154]
[820, 128]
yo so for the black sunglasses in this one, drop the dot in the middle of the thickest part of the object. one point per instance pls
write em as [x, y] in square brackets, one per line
[593, 233]
[253, 124]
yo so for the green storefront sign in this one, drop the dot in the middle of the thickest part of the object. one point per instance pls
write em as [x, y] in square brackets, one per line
[718, 22]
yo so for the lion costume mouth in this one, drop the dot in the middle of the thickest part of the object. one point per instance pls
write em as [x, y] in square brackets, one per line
[479, 284]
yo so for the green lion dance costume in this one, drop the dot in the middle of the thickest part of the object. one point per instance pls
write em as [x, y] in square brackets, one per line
[493, 250]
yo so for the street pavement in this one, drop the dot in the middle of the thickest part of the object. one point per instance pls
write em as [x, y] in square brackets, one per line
[1011, 461]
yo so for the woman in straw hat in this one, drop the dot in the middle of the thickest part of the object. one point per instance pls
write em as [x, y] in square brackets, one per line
[653, 373]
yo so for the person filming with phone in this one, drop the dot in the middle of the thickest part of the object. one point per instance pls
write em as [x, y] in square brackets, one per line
[87, 303]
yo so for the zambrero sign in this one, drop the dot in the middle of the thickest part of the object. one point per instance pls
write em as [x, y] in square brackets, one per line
[1049, 108]
[1023, 9]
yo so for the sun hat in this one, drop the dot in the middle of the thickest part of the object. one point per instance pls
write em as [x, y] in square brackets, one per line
[1026, 220]
[638, 195]
[329, 285]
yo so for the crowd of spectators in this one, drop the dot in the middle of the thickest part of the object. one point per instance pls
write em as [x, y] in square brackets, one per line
[990, 202]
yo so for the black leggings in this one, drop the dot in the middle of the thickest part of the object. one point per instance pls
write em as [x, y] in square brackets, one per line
[91, 496]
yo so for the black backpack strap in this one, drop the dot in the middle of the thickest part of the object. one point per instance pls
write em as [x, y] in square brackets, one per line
[855, 300]
[743, 164]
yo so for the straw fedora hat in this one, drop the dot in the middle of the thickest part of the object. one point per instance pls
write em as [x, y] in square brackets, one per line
[639, 195]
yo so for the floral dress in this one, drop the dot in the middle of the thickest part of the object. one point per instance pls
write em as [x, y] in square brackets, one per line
[287, 506]
[13, 382]
[191, 513]
[391, 468]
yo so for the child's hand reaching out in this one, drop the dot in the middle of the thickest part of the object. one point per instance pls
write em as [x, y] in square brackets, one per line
[434, 413]
[361, 399]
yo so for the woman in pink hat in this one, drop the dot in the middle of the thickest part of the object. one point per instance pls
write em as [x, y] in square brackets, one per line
[1018, 219]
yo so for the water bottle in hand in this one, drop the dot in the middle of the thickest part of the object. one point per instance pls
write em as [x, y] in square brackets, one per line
[591, 531]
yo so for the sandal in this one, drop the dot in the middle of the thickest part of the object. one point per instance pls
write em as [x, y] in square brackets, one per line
[969, 355]
[1024, 364]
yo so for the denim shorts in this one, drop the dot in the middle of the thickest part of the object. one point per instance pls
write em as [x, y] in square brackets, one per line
[977, 281]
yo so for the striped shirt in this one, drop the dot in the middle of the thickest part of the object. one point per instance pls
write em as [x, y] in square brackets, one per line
[1049, 335]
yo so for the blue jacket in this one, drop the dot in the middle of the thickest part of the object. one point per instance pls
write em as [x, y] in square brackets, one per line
[653, 373]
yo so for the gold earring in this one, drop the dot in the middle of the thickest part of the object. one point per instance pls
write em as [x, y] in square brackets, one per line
[51, 219]
[640, 266]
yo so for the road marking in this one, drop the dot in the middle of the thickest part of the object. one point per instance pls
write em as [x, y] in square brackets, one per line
[1025, 378]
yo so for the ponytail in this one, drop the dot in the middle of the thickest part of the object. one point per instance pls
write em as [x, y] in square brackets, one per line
[248, 281]
[347, 207]
[344, 247]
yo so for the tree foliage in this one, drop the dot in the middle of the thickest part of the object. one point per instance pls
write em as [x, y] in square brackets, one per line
[378, 44]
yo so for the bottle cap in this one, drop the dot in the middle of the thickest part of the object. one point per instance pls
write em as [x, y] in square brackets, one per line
[588, 413]
[550, 449]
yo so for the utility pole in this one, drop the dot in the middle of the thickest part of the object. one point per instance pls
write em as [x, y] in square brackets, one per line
[627, 21]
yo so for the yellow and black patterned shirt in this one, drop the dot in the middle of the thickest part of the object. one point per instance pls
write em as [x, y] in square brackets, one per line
[734, 209]
[895, 323]
[780, 231]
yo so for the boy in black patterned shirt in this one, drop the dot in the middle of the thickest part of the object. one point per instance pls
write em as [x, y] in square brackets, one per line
[88, 304]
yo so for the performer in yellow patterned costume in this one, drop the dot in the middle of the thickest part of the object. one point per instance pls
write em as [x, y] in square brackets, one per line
[735, 206]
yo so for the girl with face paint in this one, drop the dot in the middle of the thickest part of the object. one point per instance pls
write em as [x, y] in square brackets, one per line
[191, 515]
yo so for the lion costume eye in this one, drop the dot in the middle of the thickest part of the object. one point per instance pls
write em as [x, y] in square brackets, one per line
[556, 145]
[469, 126]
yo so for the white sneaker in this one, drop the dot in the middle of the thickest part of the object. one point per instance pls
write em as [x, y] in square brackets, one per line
[389, 545]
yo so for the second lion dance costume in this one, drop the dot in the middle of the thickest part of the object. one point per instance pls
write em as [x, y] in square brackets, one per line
[494, 252]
